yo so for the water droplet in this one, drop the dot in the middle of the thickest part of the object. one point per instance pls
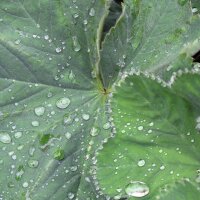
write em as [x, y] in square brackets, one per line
[18, 134]
[31, 151]
[137, 189]
[106, 126]
[17, 42]
[33, 163]
[92, 12]
[5, 138]
[94, 131]
[46, 37]
[70, 195]
[63, 103]
[68, 135]
[58, 50]
[140, 128]
[39, 111]
[73, 168]
[59, 154]
[86, 116]
[25, 184]
[141, 163]
[35, 123]
[77, 46]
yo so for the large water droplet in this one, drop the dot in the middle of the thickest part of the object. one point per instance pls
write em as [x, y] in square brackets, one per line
[137, 189]
[77, 46]
[39, 111]
[5, 138]
[63, 103]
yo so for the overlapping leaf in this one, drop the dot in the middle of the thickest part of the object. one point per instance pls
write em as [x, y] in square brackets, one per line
[149, 36]
[157, 140]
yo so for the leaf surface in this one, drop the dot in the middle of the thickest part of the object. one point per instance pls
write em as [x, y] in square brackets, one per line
[52, 111]
[157, 140]
[149, 36]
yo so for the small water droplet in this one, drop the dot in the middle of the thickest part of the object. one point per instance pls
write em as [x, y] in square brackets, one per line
[137, 189]
[18, 134]
[106, 126]
[39, 111]
[58, 50]
[35, 123]
[63, 103]
[25, 184]
[5, 138]
[17, 42]
[46, 37]
[141, 163]
[68, 135]
[86, 116]
[71, 195]
[77, 46]
[31, 151]
[92, 12]
[33, 163]
[140, 128]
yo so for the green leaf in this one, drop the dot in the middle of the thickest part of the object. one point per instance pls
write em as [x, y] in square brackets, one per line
[196, 6]
[149, 36]
[157, 140]
[49, 98]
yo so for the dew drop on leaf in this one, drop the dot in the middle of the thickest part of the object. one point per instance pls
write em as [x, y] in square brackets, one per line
[92, 12]
[39, 111]
[86, 116]
[35, 123]
[25, 184]
[77, 46]
[58, 50]
[18, 134]
[141, 163]
[63, 103]
[137, 189]
[106, 126]
[5, 138]
[68, 135]
[33, 163]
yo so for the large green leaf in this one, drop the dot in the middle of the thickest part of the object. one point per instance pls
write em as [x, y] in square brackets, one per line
[51, 111]
[149, 36]
[157, 140]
